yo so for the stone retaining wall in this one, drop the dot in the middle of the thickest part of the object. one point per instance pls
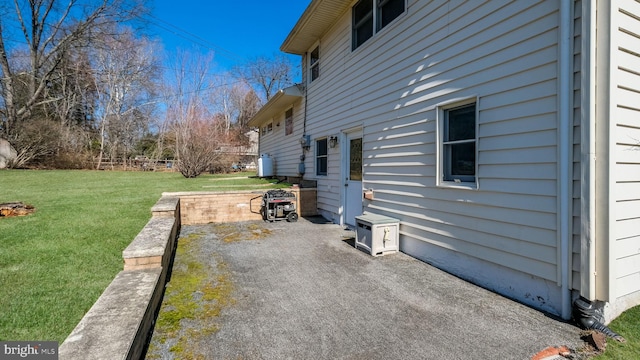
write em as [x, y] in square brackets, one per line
[153, 246]
[232, 206]
[119, 324]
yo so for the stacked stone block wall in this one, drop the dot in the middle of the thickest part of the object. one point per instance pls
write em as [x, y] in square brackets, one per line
[220, 207]
[119, 324]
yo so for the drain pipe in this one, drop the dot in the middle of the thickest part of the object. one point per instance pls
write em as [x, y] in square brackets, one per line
[587, 314]
[301, 165]
[588, 153]
[589, 317]
[565, 144]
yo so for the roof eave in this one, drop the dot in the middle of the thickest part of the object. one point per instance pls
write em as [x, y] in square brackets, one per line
[276, 105]
[319, 17]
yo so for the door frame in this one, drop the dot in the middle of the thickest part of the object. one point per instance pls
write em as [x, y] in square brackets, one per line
[344, 167]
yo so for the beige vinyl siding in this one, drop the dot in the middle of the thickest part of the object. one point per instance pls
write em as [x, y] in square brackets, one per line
[474, 223]
[504, 53]
[284, 149]
[626, 149]
[321, 120]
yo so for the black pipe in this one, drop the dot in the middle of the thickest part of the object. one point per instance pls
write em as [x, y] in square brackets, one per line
[589, 317]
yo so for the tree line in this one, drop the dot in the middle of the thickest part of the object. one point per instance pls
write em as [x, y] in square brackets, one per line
[81, 85]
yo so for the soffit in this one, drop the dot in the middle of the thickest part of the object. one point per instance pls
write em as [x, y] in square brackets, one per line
[280, 102]
[316, 20]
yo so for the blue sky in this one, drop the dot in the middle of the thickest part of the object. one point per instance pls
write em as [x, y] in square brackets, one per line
[236, 31]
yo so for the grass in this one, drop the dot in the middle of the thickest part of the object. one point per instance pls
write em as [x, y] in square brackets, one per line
[55, 263]
[627, 325]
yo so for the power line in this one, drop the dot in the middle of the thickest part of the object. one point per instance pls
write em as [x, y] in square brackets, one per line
[193, 38]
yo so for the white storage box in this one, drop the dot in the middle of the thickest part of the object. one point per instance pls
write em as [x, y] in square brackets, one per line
[377, 234]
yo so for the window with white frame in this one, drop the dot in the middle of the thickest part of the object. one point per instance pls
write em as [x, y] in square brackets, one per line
[314, 63]
[321, 157]
[288, 122]
[371, 16]
[362, 13]
[457, 137]
[388, 10]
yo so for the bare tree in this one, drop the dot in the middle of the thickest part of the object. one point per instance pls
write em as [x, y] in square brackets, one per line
[199, 142]
[74, 85]
[267, 75]
[233, 101]
[197, 136]
[125, 67]
[248, 106]
[49, 28]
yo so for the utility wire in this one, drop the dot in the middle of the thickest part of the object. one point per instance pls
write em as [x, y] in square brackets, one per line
[192, 37]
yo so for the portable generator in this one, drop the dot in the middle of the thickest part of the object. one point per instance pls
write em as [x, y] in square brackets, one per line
[278, 205]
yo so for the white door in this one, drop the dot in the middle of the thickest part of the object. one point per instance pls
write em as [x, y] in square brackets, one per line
[352, 177]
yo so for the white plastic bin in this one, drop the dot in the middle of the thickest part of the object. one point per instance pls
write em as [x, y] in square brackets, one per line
[377, 234]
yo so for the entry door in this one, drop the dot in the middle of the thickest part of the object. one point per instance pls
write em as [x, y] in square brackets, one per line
[353, 178]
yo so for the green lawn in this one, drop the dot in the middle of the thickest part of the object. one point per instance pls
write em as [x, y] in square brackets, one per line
[55, 263]
[627, 325]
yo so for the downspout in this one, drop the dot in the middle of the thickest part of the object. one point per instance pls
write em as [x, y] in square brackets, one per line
[565, 144]
[587, 312]
[301, 165]
[588, 153]
[305, 86]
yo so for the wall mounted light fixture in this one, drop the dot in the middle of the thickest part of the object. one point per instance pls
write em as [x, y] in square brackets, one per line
[333, 141]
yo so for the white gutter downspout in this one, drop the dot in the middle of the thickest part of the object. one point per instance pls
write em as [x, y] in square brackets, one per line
[588, 153]
[565, 144]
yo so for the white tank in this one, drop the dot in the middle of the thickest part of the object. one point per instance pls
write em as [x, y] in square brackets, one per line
[265, 166]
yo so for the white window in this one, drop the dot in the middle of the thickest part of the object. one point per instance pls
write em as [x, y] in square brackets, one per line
[288, 122]
[366, 21]
[457, 124]
[321, 157]
[362, 22]
[314, 63]
[387, 11]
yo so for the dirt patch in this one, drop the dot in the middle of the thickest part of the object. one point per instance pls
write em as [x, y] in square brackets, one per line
[229, 233]
[11, 209]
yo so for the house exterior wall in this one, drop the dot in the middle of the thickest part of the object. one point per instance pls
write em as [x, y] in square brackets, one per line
[624, 143]
[505, 233]
[285, 150]
[502, 235]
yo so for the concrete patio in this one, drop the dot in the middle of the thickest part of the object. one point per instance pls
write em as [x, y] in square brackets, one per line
[302, 291]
